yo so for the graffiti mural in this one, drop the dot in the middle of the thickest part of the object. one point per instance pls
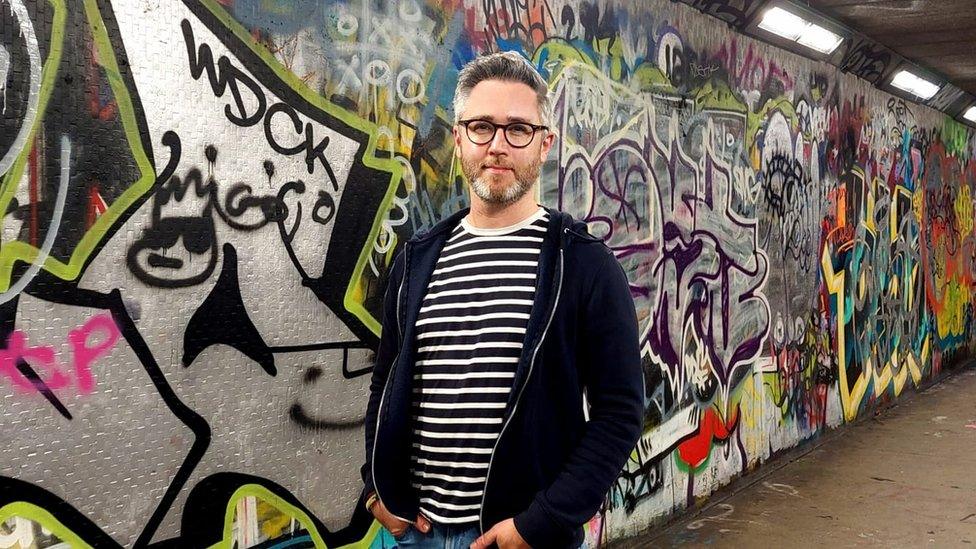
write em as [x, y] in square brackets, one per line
[202, 200]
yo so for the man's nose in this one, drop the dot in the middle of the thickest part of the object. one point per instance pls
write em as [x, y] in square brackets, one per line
[498, 144]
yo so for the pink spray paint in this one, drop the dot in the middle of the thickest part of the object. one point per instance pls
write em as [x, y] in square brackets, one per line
[88, 343]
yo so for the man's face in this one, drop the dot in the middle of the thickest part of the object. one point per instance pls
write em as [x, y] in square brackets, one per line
[498, 172]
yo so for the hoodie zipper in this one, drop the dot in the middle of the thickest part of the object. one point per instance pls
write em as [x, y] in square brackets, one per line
[379, 411]
[552, 314]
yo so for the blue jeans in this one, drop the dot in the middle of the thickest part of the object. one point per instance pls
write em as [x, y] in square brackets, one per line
[440, 537]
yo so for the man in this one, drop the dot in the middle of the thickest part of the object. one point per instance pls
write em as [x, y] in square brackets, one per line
[505, 327]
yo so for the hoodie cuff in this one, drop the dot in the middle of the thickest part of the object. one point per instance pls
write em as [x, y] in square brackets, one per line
[539, 530]
[368, 485]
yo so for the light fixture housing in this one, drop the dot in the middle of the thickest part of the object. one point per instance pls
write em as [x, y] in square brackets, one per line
[794, 28]
[914, 84]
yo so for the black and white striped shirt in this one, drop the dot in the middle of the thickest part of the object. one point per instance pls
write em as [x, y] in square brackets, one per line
[469, 337]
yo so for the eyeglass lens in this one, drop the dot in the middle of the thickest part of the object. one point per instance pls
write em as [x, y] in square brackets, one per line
[481, 132]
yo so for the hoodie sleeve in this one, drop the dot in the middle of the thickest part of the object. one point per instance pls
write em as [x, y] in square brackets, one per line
[611, 370]
[388, 349]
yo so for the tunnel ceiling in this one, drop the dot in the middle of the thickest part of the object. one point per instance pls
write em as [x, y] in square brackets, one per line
[938, 34]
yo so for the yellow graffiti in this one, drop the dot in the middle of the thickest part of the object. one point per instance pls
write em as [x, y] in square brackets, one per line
[756, 119]
[274, 515]
[956, 298]
[850, 394]
[354, 300]
[31, 512]
[12, 252]
[270, 505]
[964, 211]
[879, 373]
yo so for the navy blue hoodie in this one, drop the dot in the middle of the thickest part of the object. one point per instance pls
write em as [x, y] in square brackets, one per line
[551, 467]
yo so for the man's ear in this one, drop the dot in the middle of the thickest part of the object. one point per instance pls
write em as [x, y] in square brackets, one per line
[457, 140]
[547, 143]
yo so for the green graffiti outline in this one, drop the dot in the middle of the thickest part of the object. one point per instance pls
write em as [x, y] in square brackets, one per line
[391, 166]
[755, 120]
[19, 250]
[955, 136]
[47, 521]
[10, 252]
[260, 492]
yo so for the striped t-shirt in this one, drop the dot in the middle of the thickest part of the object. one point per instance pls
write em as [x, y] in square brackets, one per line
[469, 337]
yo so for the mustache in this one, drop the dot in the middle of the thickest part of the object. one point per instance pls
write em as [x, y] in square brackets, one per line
[497, 165]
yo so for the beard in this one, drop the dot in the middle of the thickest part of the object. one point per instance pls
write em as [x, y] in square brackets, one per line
[481, 183]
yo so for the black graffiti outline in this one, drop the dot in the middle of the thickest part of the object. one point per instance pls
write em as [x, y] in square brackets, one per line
[724, 10]
[226, 75]
[866, 60]
[164, 232]
[516, 30]
[52, 289]
[366, 197]
[211, 496]
[149, 241]
[13, 490]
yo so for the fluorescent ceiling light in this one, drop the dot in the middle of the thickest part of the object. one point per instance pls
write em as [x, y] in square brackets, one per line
[820, 39]
[781, 22]
[793, 27]
[914, 84]
[970, 114]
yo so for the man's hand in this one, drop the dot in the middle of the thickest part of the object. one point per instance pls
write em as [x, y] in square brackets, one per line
[504, 534]
[396, 526]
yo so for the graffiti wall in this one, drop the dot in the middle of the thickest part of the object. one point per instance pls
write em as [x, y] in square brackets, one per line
[201, 202]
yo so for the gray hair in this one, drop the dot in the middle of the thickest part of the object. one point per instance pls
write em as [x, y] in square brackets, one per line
[509, 67]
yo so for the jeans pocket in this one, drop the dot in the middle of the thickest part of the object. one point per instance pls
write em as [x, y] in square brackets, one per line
[406, 537]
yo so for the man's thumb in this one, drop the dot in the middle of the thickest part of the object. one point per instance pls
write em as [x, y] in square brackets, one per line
[485, 540]
[422, 524]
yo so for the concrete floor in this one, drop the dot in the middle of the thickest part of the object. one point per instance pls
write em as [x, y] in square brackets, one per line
[905, 478]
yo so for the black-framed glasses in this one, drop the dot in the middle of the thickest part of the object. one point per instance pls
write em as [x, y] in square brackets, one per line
[518, 134]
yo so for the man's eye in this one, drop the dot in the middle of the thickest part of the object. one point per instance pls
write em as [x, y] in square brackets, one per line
[481, 127]
[520, 129]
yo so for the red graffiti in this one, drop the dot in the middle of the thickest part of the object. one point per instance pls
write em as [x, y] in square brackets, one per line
[88, 343]
[695, 450]
[751, 71]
